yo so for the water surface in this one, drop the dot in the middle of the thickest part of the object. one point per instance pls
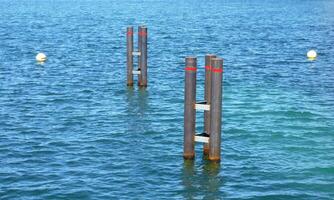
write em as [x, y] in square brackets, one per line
[71, 129]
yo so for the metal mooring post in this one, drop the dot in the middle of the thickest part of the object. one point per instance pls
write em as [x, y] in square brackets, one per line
[215, 109]
[129, 56]
[207, 98]
[189, 108]
[139, 55]
[143, 56]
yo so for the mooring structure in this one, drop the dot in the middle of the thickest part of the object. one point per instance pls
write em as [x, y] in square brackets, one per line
[141, 71]
[212, 106]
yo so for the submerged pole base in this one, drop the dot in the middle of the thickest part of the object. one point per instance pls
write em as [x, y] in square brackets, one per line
[214, 159]
[189, 156]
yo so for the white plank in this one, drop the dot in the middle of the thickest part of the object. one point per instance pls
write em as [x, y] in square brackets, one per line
[199, 106]
[135, 72]
[136, 53]
[201, 139]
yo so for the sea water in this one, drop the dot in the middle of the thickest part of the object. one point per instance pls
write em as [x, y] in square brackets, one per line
[71, 129]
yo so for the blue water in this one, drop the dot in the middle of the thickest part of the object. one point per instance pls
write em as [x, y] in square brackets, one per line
[71, 129]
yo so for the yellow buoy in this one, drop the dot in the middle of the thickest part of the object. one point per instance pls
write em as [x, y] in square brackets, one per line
[41, 57]
[311, 54]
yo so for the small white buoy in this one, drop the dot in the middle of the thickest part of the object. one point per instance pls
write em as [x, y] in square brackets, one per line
[311, 54]
[41, 57]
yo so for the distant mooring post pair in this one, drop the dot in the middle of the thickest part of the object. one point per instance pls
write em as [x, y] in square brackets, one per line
[141, 53]
[212, 106]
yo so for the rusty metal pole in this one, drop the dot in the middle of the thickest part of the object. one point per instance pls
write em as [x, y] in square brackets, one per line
[143, 56]
[207, 98]
[139, 57]
[216, 109]
[129, 56]
[189, 108]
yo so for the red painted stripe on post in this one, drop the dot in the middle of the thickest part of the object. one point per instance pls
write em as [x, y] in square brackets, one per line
[190, 68]
[142, 33]
[217, 70]
[129, 33]
[208, 67]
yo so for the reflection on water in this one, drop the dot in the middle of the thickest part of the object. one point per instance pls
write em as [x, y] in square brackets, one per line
[142, 100]
[202, 179]
[137, 101]
[137, 110]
